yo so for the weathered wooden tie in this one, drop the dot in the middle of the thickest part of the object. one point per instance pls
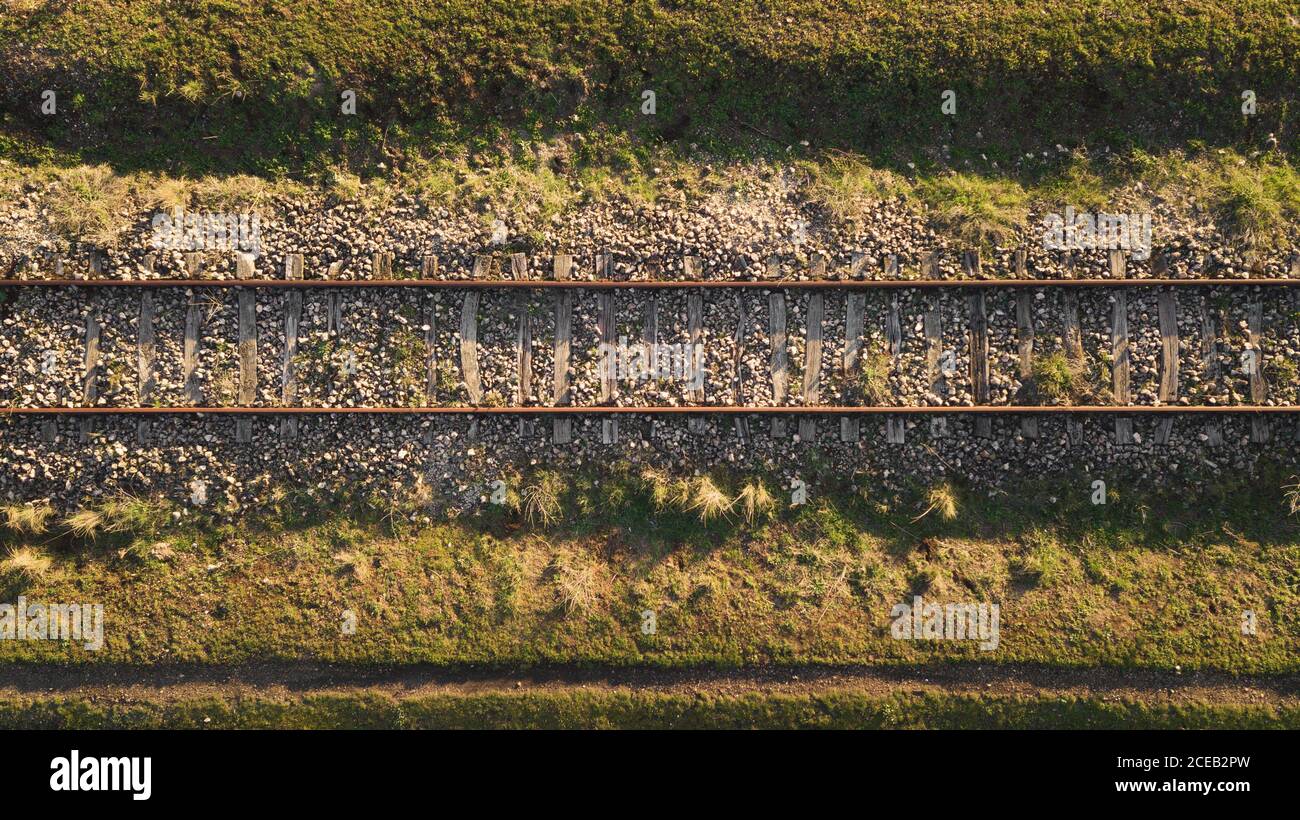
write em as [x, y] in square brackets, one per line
[932, 326]
[429, 267]
[288, 365]
[524, 360]
[334, 303]
[1167, 310]
[692, 267]
[979, 359]
[562, 427]
[146, 351]
[247, 362]
[1121, 356]
[430, 358]
[469, 372]
[90, 370]
[245, 265]
[812, 365]
[780, 367]
[854, 310]
[1210, 370]
[190, 353]
[1259, 428]
[650, 342]
[606, 330]
[1025, 363]
[737, 366]
[895, 426]
[1073, 333]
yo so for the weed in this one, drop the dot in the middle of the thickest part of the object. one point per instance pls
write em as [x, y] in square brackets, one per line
[28, 563]
[755, 501]
[541, 500]
[941, 498]
[976, 210]
[30, 518]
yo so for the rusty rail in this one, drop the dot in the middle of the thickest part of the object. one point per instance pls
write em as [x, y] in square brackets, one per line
[821, 410]
[646, 284]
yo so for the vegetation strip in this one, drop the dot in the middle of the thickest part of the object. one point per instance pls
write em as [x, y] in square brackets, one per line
[563, 570]
[634, 710]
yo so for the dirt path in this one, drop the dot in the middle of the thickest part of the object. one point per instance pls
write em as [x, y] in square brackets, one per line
[290, 679]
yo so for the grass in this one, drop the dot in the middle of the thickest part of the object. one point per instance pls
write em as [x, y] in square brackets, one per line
[27, 563]
[1292, 495]
[28, 518]
[85, 523]
[978, 211]
[1056, 106]
[89, 201]
[941, 499]
[575, 580]
[844, 76]
[873, 379]
[755, 502]
[622, 709]
[541, 500]
[846, 184]
[1056, 378]
[1256, 200]
[1079, 585]
[703, 497]
[354, 563]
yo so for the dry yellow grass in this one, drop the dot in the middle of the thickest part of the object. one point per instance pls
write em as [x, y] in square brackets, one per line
[703, 497]
[941, 498]
[29, 518]
[29, 563]
[85, 523]
[755, 501]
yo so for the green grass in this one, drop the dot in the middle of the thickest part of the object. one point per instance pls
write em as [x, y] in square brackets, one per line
[977, 210]
[1152, 579]
[633, 710]
[261, 87]
[534, 109]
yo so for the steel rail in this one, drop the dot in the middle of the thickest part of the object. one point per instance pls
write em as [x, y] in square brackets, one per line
[826, 410]
[646, 284]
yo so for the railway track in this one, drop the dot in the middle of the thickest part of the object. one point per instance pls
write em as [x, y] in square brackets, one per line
[564, 347]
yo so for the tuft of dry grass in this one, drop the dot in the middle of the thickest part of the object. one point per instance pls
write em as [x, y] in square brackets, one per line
[89, 203]
[28, 563]
[706, 499]
[1291, 492]
[755, 501]
[942, 498]
[845, 185]
[129, 513]
[541, 500]
[29, 518]
[85, 523]
[661, 488]
[575, 583]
